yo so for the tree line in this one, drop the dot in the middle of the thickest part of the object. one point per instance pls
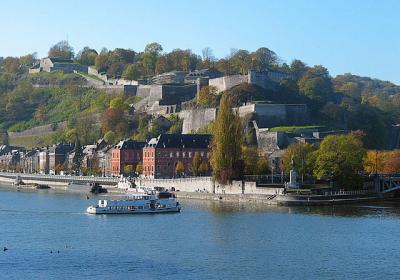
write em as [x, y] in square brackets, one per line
[341, 159]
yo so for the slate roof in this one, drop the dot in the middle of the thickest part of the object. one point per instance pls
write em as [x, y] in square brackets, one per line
[129, 144]
[191, 141]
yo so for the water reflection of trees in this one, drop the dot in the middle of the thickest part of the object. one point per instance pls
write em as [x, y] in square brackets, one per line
[373, 209]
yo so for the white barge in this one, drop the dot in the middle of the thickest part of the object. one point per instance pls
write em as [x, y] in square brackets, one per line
[137, 203]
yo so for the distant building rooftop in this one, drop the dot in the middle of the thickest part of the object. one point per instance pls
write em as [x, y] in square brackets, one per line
[191, 141]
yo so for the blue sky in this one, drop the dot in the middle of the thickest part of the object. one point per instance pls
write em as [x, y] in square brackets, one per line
[354, 36]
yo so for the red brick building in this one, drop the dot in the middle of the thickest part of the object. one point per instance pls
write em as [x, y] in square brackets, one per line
[162, 154]
[126, 153]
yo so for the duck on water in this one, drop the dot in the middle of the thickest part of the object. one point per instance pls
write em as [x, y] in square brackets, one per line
[138, 203]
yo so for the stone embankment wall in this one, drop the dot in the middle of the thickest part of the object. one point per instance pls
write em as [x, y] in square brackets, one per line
[204, 184]
[242, 187]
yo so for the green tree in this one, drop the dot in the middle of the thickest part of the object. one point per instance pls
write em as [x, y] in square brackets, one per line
[110, 137]
[86, 56]
[131, 72]
[176, 124]
[302, 155]
[128, 170]
[226, 155]
[264, 58]
[316, 84]
[118, 103]
[40, 113]
[297, 68]
[154, 48]
[250, 158]
[262, 166]
[102, 61]
[78, 157]
[4, 139]
[340, 158]
[196, 162]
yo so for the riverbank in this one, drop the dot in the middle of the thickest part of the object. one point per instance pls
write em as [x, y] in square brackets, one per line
[7, 183]
[234, 193]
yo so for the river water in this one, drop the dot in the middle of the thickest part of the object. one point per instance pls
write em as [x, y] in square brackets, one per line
[49, 236]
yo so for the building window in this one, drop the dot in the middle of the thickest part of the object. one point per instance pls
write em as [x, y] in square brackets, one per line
[177, 154]
[171, 155]
[190, 154]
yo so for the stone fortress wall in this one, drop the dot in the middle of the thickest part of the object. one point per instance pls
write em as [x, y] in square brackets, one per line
[264, 79]
[266, 115]
[227, 82]
[269, 115]
[195, 119]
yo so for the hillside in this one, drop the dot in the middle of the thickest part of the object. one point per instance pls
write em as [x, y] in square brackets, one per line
[29, 100]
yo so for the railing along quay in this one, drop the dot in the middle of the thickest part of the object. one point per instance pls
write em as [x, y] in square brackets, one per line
[62, 178]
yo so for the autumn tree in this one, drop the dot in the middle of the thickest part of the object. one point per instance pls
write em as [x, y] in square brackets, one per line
[139, 168]
[207, 96]
[161, 65]
[208, 58]
[340, 159]
[196, 162]
[114, 120]
[179, 168]
[226, 155]
[203, 168]
[61, 50]
[374, 162]
[392, 164]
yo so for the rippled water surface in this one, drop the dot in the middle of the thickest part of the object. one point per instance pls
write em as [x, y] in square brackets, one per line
[49, 236]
